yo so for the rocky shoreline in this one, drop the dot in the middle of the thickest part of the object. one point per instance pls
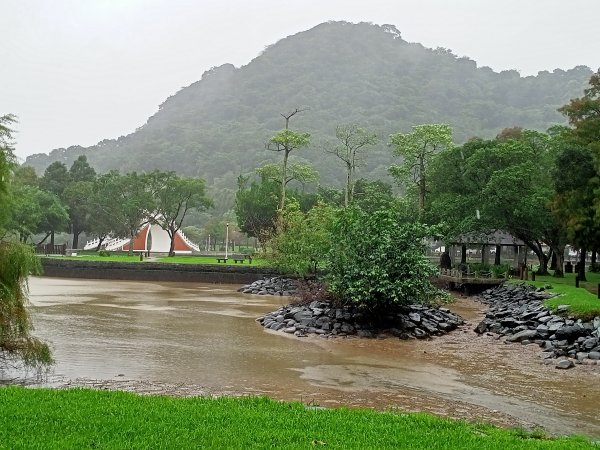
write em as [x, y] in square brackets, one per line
[328, 320]
[322, 318]
[517, 313]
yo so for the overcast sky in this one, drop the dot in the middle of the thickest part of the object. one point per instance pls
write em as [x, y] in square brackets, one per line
[79, 71]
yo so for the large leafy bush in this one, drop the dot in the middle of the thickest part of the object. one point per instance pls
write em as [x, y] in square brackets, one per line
[377, 259]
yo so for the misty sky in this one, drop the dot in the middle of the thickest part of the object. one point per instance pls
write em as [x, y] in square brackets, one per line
[79, 71]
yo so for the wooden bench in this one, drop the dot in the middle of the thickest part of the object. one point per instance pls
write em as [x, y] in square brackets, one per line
[221, 260]
[239, 259]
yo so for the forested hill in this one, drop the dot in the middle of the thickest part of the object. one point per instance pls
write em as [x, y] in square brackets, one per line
[341, 73]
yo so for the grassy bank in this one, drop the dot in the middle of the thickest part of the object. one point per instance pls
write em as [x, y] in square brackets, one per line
[185, 259]
[81, 418]
[583, 301]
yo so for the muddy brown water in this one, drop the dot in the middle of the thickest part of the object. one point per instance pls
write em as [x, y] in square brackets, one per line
[190, 339]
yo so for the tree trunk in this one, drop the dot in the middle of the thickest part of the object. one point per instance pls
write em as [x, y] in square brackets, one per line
[543, 260]
[100, 241]
[171, 234]
[553, 261]
[422, 186]
[52, 237]
[559, 251]
[76, 233]
[352, 184]
[44, 240]
[463, 254]
[348, 183]
[581, 272]
[131, 239]
[497, 256]
[286, 154]
[536, 247]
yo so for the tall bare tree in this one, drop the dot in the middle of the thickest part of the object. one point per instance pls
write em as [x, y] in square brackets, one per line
[353, 142]
[286, 141]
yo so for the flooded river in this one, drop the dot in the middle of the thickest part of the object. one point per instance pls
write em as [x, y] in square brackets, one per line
[186, 339]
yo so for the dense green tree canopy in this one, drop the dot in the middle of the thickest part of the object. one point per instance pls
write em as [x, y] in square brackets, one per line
[500, 184]
[175, 197]
[417, 149]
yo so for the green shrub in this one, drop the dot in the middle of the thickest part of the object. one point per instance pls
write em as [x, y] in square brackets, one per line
[377, 260]
[103, 253]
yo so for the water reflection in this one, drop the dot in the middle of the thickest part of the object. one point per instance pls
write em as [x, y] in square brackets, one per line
[206, 335]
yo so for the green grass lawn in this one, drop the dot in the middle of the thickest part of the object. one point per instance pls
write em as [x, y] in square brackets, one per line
[117, 257]
[583, 301]
[85, 418]
[182, 259]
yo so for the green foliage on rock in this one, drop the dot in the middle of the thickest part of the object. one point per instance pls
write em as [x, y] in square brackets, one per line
[303, 240]
[377, 259]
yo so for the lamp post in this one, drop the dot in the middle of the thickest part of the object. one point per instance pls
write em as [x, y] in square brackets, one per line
[226, 240]
[208, 246]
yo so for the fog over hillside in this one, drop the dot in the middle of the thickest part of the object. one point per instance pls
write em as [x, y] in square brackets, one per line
[340, 73]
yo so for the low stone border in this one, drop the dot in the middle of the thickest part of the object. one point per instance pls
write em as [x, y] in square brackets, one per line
[321, 318]
[153, 271]
[517, 313]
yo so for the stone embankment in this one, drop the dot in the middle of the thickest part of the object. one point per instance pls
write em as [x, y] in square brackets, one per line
[271, 286]
[517, 313]
[322, 318]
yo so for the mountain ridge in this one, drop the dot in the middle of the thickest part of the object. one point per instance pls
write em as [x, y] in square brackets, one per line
[342, 73]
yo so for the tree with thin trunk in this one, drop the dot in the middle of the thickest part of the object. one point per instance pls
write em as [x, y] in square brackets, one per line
[353, 142]
[417, 150]
[286, 141]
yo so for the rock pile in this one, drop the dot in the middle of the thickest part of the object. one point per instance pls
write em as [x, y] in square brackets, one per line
[271, 286]
[410, 322]
[518, 313]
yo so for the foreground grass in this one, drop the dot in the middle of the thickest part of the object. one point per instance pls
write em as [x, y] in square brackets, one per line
[583, 301]
[83, 418]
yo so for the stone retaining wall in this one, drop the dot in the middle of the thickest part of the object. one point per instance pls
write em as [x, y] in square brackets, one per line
[150, 271]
